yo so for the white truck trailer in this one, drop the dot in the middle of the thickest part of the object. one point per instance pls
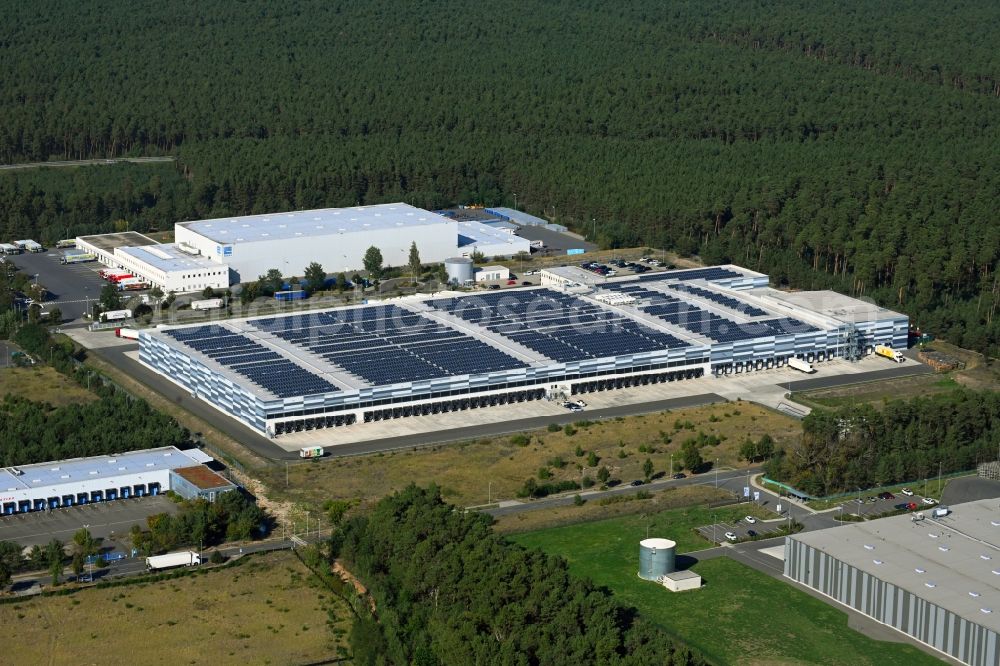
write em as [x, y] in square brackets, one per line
[207, 304]
[311, 452]
[800, 365]
[114, 315]
[185, 558]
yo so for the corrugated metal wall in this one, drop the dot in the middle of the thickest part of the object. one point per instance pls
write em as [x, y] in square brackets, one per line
[966, 641]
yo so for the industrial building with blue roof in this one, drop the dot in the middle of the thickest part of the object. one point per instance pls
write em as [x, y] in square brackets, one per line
[43, 486]
[427, 355]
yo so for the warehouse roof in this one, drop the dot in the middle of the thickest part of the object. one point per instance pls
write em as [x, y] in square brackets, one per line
[60, 472]
[306, 223]
[477, 233]
[953, 562]
[108, 242]
[203, 478]
[169, 258]
[518, 216]
[831, 304]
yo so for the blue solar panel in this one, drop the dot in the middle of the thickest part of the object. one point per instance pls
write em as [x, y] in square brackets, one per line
[252, 360]
[387, 344]
[558, 326]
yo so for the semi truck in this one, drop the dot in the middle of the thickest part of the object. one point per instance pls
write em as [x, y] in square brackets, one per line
[802, 366]
[127, 333]
[114, 315]
[889, 353]
[207, 304]
[311, 452]
[185, 558]
[63, 244]
[132, 284]
[76, 257]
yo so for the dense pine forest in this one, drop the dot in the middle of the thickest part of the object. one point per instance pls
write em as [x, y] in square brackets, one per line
[447, 591]
[830, 146]
[857, 446]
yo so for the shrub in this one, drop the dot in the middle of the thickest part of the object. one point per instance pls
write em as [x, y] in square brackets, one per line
[520, 440]
[569, 430]
[554, 427]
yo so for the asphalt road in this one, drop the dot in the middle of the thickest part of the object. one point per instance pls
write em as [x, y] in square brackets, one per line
[70, 287]
[35, 582]
[891, 371]
[102, 519]
[555, 242]
[724, 479]
[76, 163]
[516, 425]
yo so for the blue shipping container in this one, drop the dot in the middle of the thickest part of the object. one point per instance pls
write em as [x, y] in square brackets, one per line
[575, 251]
[296, 295]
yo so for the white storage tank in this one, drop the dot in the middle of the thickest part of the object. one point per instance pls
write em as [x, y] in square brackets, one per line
[656, 558]
[459, 269]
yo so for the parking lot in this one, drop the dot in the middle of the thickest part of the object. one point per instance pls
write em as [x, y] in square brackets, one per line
[70, 287]
[103, 519]
[716, 532]
[872, 504]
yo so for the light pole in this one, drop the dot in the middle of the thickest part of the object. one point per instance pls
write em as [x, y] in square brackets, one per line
[515, 200]
[489, 493]
[716, 473]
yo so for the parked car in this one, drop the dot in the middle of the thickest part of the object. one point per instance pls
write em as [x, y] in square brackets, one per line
[750, 519]
[731, 536]
[525, 284]
[751, 533]
[679, 475]
[511, 282]
[637, 482]
[929, 501]
[907, 492]
[902, 507]
[911, 505]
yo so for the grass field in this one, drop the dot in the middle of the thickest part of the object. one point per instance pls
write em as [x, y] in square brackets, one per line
[465, 470]
[594, 510]
[740, 616]
[42, 384]
[266, 611]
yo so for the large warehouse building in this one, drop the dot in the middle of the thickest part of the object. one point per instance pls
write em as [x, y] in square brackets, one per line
[424, 356]
[936, 580]
[219, 252]
[104, 478]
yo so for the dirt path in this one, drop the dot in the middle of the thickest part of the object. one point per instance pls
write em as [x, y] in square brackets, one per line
[353, 581]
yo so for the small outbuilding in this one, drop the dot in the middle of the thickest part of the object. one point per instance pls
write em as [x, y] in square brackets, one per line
[679, 581]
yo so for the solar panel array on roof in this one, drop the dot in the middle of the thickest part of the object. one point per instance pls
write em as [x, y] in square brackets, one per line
[389, 345]
[728, 301]
[691, 317]
[558, 326]
[244, 356]
[714, 273]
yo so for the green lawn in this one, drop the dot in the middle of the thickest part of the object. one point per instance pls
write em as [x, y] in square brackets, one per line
[740, 616]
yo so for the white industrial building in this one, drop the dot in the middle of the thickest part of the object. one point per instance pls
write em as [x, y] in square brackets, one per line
[171, 268]
[933, 576]
[51, 485]
[219, 252]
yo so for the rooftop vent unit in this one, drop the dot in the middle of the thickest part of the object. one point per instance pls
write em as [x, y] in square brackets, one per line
[188, 249]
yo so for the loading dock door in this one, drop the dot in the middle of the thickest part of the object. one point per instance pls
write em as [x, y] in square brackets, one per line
[81, 498]
[126, 492]
[110, 494]
[24, 506]
[39, 505]
[67, 500]
[9, 507]
[139, 489]
[154, 489]
[96, 496]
